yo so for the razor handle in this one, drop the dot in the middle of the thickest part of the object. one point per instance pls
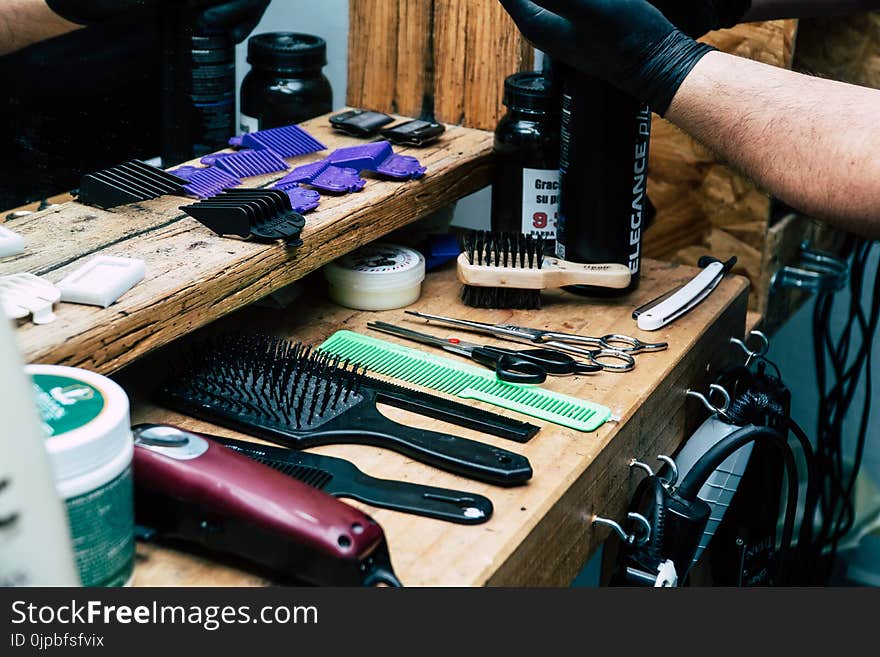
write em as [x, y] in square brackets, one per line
[193, 490]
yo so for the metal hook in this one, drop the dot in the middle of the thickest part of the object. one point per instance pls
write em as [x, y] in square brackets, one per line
[715, 410]
[624, 536]
[751, 355]
[645, 524]
[633, 463]
[670, 481]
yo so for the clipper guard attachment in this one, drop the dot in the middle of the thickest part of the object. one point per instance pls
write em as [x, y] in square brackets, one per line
[286, 141]
[129, 182]
[264, 215]
[245, 164]
[206, 182]
[339, 173]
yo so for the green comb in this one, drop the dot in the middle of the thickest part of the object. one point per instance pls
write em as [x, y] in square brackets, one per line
[464, 380]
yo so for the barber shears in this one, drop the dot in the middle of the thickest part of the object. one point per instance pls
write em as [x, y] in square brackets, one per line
[613, 352]
[526, 366]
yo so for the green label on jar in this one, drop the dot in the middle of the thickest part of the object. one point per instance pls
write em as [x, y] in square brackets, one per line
[66, 403]
[102, 528]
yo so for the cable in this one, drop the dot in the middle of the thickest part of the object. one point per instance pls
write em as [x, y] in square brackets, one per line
[843, 368]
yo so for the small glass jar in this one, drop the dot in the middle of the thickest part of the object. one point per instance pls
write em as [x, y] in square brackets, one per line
[285, 84]
[525, 185]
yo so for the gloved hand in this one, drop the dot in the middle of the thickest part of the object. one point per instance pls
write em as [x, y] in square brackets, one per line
[628, 43]
[696, 17]
[235, 17]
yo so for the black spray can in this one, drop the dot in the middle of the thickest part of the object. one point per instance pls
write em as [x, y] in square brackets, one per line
[603, 177]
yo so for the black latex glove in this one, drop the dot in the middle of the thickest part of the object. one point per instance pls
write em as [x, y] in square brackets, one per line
[628, 43]
[696, 17]
[234, 17]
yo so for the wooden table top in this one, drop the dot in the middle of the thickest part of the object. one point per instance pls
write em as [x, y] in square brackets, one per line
[540, 533]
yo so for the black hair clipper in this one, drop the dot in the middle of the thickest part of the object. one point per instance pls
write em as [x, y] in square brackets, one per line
[359, 122]
[191, 489]
[414, 133]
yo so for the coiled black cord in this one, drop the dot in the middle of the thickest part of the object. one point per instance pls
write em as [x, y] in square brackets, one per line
[843, 368]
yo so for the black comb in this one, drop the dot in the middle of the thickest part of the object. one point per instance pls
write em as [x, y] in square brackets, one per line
[125, 183]
[264, 215]
[285, 392]
[342, 479]
[500, 249]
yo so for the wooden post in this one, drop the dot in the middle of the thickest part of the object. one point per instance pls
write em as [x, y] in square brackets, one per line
[446, 57]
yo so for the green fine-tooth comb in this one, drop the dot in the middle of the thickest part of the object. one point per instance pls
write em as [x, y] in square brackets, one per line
[464, 380]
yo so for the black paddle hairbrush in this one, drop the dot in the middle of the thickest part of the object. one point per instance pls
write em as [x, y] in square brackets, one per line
[509, 270]
[286, 393]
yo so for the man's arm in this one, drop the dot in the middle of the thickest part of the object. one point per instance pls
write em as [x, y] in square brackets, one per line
[23, 22]
[811, 142]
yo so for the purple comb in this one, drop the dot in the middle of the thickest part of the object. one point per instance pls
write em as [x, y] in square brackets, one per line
[340, 180]
[287, 141]
[401, 167]
[365, 157]
[301, 199]
[303, 174]
[205, 183]
[324, 176]
[245, 164]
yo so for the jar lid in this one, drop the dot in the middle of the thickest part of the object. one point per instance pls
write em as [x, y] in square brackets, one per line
[287, 51]
[378, 266]
[85, 416]
[530, 91]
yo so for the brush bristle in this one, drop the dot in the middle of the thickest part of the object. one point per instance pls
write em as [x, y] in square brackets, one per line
[264, 379]
[494, 298]
[499, 249]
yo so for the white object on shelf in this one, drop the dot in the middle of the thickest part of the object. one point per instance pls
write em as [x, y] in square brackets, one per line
[377, 276]
[10, 243]
[25, 294]
[102, 280]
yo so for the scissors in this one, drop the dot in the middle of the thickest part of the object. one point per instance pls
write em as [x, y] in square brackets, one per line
[612, 347]
[522, 366]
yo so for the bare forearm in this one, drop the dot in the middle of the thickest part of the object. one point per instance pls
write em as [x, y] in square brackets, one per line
[811, 142]
[764, 10]
[23, 22]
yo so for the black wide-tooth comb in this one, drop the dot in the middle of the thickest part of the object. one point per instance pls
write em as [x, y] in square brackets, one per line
[342, 479]
[499, 249]
[286, 393]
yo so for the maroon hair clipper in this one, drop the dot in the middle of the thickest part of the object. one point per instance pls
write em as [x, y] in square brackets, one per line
[191, 489]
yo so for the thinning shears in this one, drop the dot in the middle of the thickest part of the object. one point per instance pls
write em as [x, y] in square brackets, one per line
[513, 366]
[613, 352]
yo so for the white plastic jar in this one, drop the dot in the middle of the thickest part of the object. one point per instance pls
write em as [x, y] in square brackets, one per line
[377, 276]
[87, 422]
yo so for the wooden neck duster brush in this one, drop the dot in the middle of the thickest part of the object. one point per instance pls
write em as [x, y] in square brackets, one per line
[509, 270]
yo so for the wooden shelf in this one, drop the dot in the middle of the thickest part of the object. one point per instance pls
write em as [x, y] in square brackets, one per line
[193, 276]
[540, 533]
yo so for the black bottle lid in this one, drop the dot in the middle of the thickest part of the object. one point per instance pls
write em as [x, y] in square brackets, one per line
[291, 52]
[530, 91]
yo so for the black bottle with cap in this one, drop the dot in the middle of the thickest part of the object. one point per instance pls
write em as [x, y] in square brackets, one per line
[604, 207]
[285, 84]
[525, 183]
